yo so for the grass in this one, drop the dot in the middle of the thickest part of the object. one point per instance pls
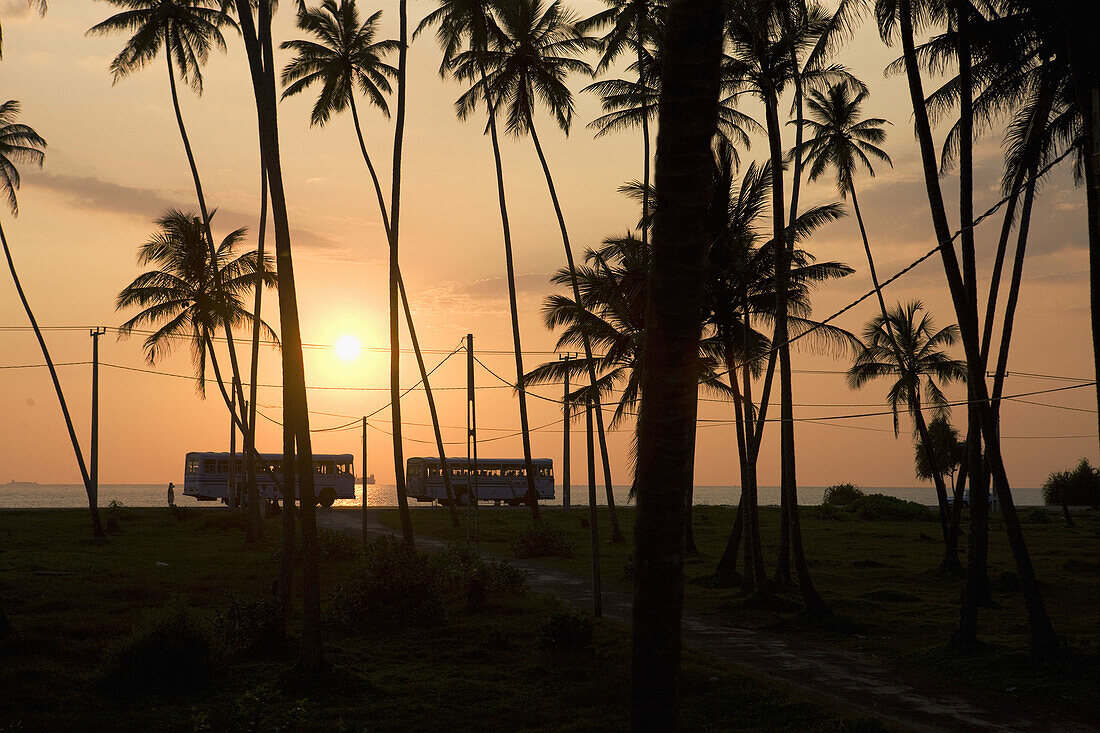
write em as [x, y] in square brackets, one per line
[70, 600]
[881, 579]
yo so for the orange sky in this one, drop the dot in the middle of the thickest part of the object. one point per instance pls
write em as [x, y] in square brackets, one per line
[115, 161]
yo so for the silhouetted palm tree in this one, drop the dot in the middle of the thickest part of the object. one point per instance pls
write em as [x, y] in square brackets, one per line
[20, 144]
[180, 298]
[688, 116]
[38, 5]
[345, 58]
[467, 30]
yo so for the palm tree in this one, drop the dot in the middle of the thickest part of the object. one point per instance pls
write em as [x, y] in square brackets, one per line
[186, 31]
[297, 442]
[905, 346]
[180, 297]
[635, 27]
[900, 19]
[537, 49]
[947, 450]
[345, 57]
[688, 113]
[466, 30]
[20, 144]
[38, 5]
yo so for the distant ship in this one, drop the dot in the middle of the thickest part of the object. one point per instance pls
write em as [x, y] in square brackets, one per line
[369, 480]
[14, 484]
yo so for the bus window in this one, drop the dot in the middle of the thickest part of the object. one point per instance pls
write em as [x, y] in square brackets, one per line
[209, 466]
[223, 466]
[192, 465]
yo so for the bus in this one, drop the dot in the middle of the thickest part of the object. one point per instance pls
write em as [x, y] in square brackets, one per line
[206, 476]
[496, 479]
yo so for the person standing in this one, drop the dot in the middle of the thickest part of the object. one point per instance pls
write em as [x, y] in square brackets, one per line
[171, 494]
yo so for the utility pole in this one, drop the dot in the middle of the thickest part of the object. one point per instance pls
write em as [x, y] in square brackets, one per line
[94, 472]
[234, 500]
[364, 481]
[566, 358]
[597, 595]
[471, 443]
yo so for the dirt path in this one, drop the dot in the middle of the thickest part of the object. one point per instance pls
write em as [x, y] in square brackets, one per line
[848, 679]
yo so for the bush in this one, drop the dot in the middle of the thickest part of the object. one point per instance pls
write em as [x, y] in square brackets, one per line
[393, 587]
[541, 540]
[249, 628]
[169, 651]
[879, 507]
[567, 632]
[332, 546]
[457, 567]
[842, 494]
[1079, 487]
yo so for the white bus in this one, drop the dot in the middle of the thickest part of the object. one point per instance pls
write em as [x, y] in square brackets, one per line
[496, 479]
[206, 476]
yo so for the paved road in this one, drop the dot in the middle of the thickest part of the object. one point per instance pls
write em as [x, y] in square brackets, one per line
[848, 679]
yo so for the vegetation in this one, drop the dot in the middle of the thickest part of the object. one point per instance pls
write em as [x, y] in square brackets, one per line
[1079, 487]
[493, 658]
[841, 494]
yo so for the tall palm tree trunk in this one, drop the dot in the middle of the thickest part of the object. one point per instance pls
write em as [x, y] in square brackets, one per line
[726, 572]
[395, 275]
[815, 605]
[1043, 638]
[90, 487]
[513, 308]
[255, 527]
[616, 533]
[666, 424]
[646, 155]
[950, 540]
[448, 489]
[297, 445]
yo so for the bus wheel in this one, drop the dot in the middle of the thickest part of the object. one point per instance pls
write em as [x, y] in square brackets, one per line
[327, 497]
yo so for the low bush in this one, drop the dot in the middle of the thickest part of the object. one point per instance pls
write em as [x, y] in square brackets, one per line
[1079, 487]
[332, 546]
[457, 566]
[1036, 515]
[168, 652]
[541, 540]
[567, 632]
[882, 508]
[842, 494]
[393, 587]
[249, 628]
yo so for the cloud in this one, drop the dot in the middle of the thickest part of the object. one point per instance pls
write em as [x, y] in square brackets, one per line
[485, 296]
[96, 194]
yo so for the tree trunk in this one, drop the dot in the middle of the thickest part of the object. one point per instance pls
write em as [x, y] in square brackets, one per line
[89, 486]
[616, 532]
[255, 526]
[645, 142]
[296, 441]
[666, 425]
[1044, 640]
[815, 605]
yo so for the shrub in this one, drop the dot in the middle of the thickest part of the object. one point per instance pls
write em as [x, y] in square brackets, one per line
[842, 494]
[249, 628]
[567, 632]
[457, 567]
[1079, 487]
[335, 546]
[393, 587]
[541, 540]
[879, 507]
[170, 650]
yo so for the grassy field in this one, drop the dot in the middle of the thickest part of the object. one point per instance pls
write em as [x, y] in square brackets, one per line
[78, 610]
[881, 578]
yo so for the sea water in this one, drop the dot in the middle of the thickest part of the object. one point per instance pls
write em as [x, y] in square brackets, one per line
[43, 496]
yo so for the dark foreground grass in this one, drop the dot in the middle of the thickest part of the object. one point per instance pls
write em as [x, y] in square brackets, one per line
[881, 579]
[71, 601]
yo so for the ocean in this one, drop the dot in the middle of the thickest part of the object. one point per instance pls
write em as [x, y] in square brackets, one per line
[58, 496]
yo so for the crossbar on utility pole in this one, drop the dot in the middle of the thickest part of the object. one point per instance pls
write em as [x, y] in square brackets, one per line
[566, 358]
[95, 333]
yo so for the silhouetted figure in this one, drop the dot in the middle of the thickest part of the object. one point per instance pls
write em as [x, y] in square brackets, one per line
[171, 494]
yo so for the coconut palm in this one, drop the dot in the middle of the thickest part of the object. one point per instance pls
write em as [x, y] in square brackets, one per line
[467, 30]
[905, 346]
[19, 145]
[633, 27]
[528, 64]
[180, 296]
[901, 19]
[344, 58]
[37, 5]
[688, 115]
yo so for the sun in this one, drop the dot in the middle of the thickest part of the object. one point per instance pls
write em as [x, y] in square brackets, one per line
[348, 347]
